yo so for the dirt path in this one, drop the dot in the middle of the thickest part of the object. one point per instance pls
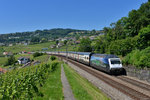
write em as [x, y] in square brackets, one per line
[68, 95]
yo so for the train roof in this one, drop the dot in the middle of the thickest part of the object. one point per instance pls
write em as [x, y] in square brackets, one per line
[105, 55]
[73, 52]
[84, 53]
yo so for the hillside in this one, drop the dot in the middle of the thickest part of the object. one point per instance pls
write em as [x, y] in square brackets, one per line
[43, 34]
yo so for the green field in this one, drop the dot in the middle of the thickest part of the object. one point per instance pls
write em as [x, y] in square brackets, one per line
[28, 48]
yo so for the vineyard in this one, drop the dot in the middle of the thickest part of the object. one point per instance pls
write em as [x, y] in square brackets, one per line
[25, 82]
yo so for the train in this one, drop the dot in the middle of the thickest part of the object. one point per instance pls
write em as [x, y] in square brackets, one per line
[108, 63]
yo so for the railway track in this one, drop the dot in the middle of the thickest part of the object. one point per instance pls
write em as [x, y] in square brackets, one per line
[135, 82]
[135, 89]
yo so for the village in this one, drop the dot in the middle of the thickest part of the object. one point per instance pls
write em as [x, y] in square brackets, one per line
[24, 58]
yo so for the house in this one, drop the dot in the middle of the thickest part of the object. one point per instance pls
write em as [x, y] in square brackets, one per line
[72, 39]
[101, 34]
[92, 37]
[23, 52]
[29, 53]
[2, 70]
[77, 42]
[53, 46]
[23, 60]
[60, 45]
[7, 54]
[10, 45]
[25, 44]
[63, 39]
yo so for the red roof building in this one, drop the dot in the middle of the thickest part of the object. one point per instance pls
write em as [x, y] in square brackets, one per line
[2, 70]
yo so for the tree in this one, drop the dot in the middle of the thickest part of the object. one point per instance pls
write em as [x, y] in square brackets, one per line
[35, 40]
[37, 54]
[52, 58]
[123, 47]
[93, 31]
[138, 19]
[11, 60]
[65, 42]
[77, 37]
[99, 44]
[57, 42]
[85, 45]
[43, 40]
[144, 35]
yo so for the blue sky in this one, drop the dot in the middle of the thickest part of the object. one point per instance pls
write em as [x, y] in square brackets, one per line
[30, 15]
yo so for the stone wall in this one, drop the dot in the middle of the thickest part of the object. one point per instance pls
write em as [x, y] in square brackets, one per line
[142, 74]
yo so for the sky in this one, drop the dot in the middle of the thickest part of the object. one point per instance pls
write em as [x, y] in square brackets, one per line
[31, 15]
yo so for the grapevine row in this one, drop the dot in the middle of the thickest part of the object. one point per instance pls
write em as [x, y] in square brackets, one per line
[25, 82]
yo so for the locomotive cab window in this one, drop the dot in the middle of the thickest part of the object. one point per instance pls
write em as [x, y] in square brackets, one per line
[115, 62]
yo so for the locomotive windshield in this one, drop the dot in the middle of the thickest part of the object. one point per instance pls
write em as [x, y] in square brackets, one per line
[115, 62]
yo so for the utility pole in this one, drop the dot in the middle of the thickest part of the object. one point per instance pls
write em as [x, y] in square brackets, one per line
[75, 46]
[67, 52]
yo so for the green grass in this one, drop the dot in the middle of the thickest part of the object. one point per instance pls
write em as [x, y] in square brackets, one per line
[52, 89]
[23, 55]
[2, 61]
[28, 48]
[69, 48]
[42, 58]
[82, 88]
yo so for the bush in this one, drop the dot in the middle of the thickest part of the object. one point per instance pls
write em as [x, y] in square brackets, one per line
[138, 58]
[37, 54]
[53, 58]
[11, 60]
[122, 47]
[85, 45]
[54, 65]
[144, 35]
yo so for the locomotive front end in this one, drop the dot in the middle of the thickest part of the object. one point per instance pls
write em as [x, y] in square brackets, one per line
[116, 66]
